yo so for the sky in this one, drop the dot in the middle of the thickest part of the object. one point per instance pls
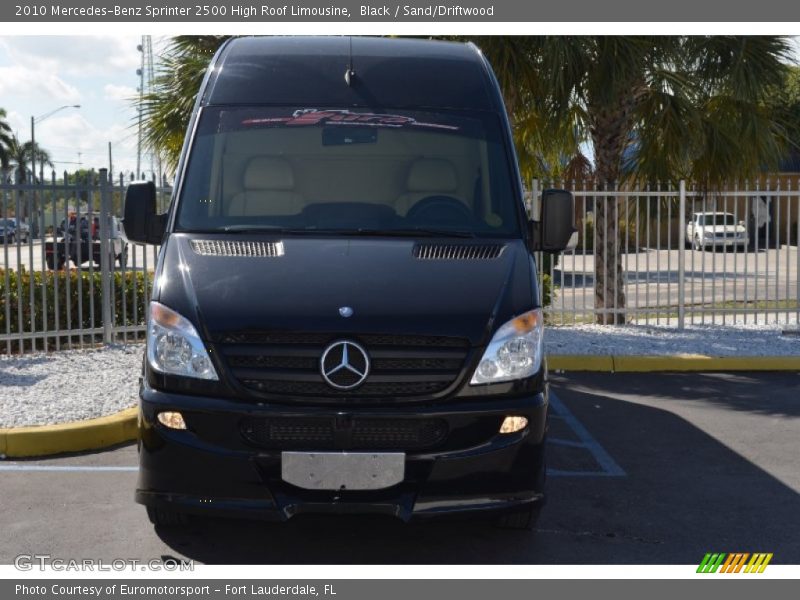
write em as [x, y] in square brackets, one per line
[41, 73]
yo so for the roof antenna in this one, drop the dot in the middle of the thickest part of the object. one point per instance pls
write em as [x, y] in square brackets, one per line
[350, 74]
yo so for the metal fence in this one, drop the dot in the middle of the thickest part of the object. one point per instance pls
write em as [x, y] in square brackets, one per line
[668, 276]
[673, 273]
[99, 294]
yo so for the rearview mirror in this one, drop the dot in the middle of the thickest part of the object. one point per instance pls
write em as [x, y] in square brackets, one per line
[142, 224]
[555, 231]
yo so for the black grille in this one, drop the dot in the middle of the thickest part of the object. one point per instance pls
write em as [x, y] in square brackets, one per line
[326, 433]
[287, 364]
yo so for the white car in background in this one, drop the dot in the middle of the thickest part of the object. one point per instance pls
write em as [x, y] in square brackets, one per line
[716, 230]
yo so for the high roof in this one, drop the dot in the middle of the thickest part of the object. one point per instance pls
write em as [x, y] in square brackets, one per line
[310, 72]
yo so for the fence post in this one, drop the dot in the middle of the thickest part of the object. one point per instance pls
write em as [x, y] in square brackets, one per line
[106, 265]
[533, 215]
[682, 255]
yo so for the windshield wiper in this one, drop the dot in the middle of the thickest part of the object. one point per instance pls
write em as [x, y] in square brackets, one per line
[251, 228]
[361, 231]
[412, 232]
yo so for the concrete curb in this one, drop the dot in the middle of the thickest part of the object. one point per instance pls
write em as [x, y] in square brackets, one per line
[681, 362]
[122, 427]
[77, 436]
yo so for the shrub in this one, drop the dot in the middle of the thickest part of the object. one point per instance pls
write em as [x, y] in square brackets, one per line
[84, 289]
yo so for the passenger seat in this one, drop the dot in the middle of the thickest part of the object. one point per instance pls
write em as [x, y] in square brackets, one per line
[268, 189]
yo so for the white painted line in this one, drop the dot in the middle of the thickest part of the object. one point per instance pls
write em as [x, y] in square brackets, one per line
[603, 458]
[64, 468]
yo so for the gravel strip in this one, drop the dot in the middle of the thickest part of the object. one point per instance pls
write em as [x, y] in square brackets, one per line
[652, 340]
[71, 385]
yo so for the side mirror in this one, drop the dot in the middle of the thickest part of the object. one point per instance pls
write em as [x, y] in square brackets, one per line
[142, 224]
[555, 231]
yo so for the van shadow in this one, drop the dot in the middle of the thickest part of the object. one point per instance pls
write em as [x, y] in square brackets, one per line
[14, 371]
[684, 494]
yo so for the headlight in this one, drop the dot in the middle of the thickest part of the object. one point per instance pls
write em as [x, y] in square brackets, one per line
[708, 234]
[174, 347]
[515, 351]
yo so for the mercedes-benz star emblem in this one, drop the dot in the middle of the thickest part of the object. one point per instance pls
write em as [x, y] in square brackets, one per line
[345, 311]
[344, 365]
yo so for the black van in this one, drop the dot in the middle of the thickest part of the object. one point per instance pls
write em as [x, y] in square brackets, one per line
[345, 316]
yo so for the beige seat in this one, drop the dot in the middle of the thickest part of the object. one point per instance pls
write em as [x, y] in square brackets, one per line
[427, 177]
[268, 189]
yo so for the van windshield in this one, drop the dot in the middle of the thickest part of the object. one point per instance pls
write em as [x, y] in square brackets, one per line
[306, 170]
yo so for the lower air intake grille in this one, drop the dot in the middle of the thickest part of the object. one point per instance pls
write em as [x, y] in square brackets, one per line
[323, 433]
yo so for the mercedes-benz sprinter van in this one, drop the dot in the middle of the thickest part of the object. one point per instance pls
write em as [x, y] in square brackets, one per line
[345, 315]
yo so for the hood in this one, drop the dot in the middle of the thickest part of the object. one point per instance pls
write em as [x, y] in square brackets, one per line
[389, 289]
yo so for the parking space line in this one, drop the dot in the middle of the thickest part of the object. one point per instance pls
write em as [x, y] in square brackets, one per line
[569, 443]
[65, 468]
[561, 473]
[609, 466]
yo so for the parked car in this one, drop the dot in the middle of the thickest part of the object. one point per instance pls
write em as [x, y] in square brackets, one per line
[78, 240]
[346, 316]
[715, 230]
[12, 229]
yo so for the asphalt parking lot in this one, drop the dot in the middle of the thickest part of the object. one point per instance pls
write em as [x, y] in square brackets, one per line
[644, 469]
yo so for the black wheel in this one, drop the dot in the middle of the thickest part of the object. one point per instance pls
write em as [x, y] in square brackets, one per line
[166, 517]
[51, 261]
[10, 238]
[697, 244]
[522, 519]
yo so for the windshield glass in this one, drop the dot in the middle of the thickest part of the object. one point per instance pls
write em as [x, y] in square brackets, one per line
[308, 170]
[719, 220]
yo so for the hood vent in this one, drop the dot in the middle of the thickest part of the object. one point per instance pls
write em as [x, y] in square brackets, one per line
[457, 251]
[237, 248]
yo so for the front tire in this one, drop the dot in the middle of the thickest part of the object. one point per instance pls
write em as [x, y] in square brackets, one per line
[698, 245]
[166, 517]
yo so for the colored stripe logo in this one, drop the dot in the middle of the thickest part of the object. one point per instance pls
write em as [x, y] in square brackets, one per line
[736, 562]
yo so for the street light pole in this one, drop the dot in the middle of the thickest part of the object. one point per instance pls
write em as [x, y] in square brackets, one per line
[39, 119]
[35, 120]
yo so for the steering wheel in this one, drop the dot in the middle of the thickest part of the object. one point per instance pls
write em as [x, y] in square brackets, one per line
[441, 210]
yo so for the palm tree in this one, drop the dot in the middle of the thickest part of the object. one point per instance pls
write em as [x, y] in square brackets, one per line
[5, 142]
[18, 156]
[660, 108]
[167, 108]
[648, 108]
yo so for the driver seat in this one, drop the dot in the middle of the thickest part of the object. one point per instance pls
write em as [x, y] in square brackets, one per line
[427, 177]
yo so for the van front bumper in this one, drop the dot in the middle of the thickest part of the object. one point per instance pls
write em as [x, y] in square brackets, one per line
[211, 468]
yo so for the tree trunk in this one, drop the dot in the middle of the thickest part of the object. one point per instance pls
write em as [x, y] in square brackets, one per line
[609, 134]
[609, 286]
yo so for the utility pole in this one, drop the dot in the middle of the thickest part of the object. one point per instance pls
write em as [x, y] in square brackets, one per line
[145, 73]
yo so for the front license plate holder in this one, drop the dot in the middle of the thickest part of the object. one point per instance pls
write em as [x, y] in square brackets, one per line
[343, 470]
